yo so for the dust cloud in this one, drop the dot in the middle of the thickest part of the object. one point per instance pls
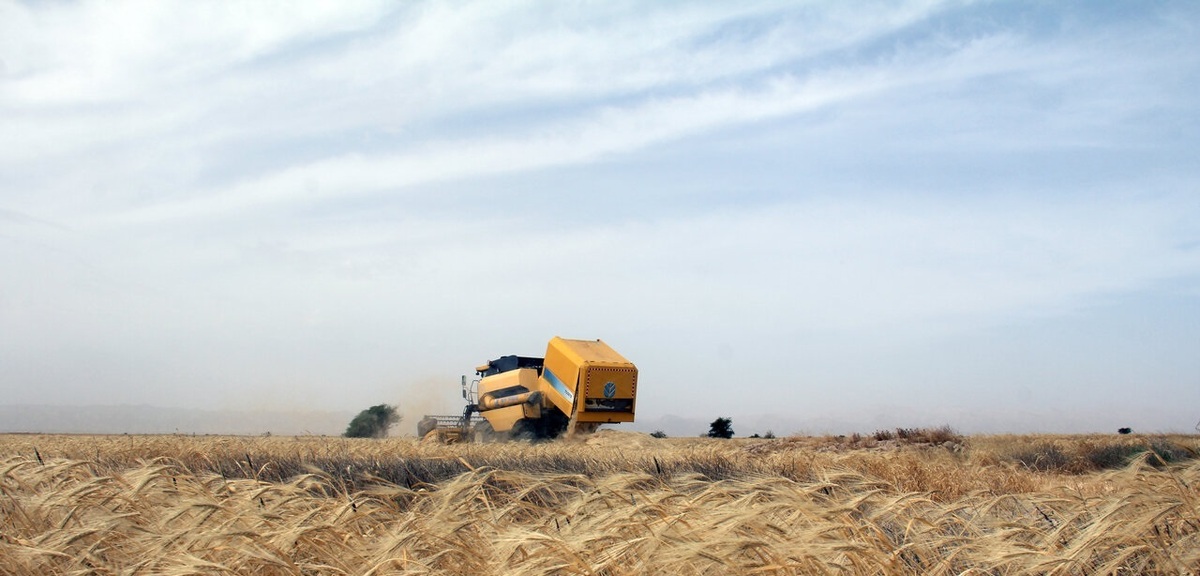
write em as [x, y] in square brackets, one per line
[425, 396]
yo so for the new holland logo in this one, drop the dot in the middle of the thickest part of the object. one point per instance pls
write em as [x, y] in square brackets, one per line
[610, 389]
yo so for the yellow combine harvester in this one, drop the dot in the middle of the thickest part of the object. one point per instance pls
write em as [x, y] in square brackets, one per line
[576, 387]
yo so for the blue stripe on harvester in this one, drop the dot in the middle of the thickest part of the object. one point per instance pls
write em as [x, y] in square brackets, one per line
[558, 385]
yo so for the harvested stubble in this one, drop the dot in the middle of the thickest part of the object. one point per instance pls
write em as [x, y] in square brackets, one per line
[176, 506]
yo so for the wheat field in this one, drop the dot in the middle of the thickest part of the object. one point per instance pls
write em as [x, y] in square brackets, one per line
[613, 503]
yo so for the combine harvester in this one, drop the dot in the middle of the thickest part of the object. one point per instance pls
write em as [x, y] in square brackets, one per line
[579, 385]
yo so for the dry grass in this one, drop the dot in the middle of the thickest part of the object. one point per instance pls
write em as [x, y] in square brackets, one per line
[618, 503]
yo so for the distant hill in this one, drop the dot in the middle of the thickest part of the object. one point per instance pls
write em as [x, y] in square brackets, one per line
[126, 419]
[888, 418]
[745, 425]
[140, 419]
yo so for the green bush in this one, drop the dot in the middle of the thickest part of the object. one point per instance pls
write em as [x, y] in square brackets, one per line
[721, 428]
[1119, 455]
[1044, 457]
[938, 435]
[1168, 452]
[373, 422]
[1112, 456]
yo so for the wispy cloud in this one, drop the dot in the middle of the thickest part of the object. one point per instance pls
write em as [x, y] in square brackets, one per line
[401, 83]
[606, 132]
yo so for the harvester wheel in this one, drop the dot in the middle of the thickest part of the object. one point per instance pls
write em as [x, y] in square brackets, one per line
[586, 427]
[483, 432]
[523, 430]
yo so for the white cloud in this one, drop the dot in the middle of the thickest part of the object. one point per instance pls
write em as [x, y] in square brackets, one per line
[95, 80]
[98, 52]
[609, 131]
[593, 130]
[834, 265]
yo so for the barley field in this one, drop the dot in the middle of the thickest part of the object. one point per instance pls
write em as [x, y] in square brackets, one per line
[895, 502]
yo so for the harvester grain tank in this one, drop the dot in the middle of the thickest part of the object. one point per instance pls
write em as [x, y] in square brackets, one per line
[577, 386]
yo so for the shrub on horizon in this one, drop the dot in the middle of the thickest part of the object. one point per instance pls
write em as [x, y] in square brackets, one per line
[373, 422]
[721, 428]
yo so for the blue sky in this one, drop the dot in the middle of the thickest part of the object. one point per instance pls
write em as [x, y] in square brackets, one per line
[811, 216]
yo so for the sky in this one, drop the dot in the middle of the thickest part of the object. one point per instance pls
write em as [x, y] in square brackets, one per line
[822, 216]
